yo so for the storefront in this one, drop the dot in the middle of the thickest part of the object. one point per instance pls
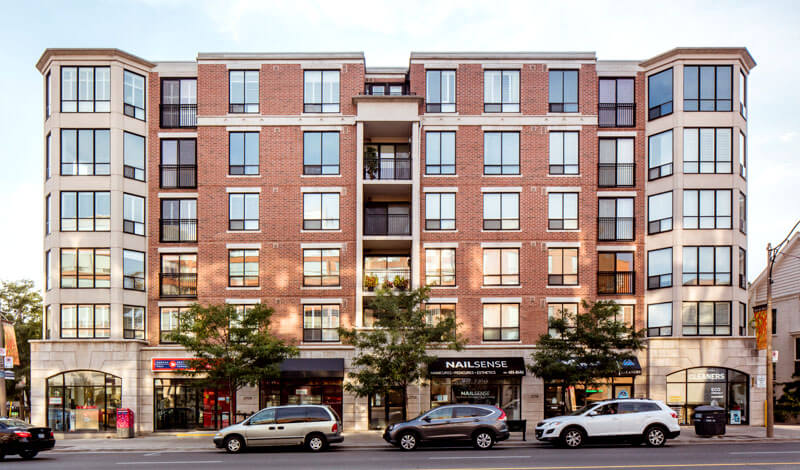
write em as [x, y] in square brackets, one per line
[83, 400]
[306, 382]
[717, 386]
[186, 403]
[485, 381]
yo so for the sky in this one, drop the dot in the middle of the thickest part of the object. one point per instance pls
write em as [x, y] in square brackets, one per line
[387, 31]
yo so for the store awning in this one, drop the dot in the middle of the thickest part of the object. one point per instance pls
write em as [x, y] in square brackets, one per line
[629, 367]
[331, 368]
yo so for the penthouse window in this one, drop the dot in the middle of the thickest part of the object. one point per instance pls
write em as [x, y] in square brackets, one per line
[440, 153]
[707, 209]
[85, 89]
[85, 211]
[321, 91]
[242, 268]
[706, 265]
[85, 321]
[501, 153]
[501, 91]
[243, 211]
[707, 88]
[178, 103]
[660, 155]
[501, 211]
[743, 99]
[133, 95]
[659, 94]
[564, 153]
[321, 267]
[440, 91]
[320, 153]
[707, 150]
[616, 107]
[321, 211]
[85, 152]
[243, 91]
[243, 153]
[563, 91]
[133, 156]
[85, 268]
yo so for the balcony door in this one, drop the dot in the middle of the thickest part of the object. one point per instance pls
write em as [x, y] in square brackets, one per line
[387, 219]
[179, 103]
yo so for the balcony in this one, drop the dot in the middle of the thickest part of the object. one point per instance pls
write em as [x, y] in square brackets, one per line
[178, 230]
[178, 116]
[178, 176]
[178, 284]
[616, 174]
[614, 228]
[389, 219]
[615, 282]
[616, 114]
[383, 269]
[387, 168]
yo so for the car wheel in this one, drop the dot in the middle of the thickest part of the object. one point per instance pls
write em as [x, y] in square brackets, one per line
[655, 436]
[483, 440]
[28, 454]
[234, 444]
[408, 441]
[573, 437]
[316, 442]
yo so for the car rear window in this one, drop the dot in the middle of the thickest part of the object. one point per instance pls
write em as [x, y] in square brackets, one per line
[317, 414]
[470, 412]
[290, 415]
[645, 406]
[637, 407]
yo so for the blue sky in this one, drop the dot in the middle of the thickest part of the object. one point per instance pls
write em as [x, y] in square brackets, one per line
[387, 31]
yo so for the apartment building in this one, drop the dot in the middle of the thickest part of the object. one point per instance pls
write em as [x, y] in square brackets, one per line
[516, 184]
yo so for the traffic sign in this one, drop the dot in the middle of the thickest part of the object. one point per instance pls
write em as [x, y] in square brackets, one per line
[8, 362]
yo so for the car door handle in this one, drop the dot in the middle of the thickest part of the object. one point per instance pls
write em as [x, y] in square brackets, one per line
[271, 428]
[280, 427]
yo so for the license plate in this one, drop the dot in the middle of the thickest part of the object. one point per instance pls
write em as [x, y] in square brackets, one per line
[41, 436]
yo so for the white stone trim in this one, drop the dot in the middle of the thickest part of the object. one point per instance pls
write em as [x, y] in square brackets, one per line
[624, 301]
[340, 246]
[616, 248]
[562, 300]
[501, 189]
[243, 301]
[247, 189]
[501, 300]
[177, 195]
[562, 189]
[174, 303]
[435, 128]
[320, 300]
[442, 300]
[253, 128]
[177, 135]
[441, 65]
[564, 65]
[177, 249]
[321, 129]
[504, 119]
[243, 246]
[440, 189]
[322, 65]
[440, 245]
[501, 244]
[502, 65]
[558, 128]
[501, 128]
[275, 121]
[616, 193]
[562, 244]
[617, 134]
[321, 189]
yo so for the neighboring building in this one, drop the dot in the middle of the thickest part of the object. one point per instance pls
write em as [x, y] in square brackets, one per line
[296, 180]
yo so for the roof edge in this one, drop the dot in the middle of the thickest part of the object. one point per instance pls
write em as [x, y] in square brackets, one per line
[744, 54]
[279, 55]
[577, 55]
[88, 51]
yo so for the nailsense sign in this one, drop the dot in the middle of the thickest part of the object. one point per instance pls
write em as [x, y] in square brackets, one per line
[473, 367]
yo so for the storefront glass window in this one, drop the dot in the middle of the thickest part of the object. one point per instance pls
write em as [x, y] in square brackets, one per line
[386, 409]
[185, 404]
[560, 401]
[302, 391]
[83, 400]
[503, 393]
[716, 386]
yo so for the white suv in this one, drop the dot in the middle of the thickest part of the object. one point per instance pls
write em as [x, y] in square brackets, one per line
[632, 420]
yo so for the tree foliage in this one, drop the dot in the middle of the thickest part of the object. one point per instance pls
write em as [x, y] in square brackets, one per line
[22, 303]
[587, 347]
[787, 407]
[395, 353]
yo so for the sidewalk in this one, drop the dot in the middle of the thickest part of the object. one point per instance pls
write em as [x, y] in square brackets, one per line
[201, 441]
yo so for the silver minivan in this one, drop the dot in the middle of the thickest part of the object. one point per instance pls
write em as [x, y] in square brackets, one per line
[314, 426]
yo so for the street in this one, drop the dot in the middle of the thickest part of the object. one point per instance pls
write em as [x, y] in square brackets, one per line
[753, 456]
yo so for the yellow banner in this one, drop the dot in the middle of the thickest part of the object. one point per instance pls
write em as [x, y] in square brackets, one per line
[760, 319]
[11, 342]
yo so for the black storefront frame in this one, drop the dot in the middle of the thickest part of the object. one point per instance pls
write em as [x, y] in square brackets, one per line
[307, 373]
[684, 408]
[218, 419]
[105, 421]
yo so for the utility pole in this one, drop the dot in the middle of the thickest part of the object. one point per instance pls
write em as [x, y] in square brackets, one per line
[3, 405]
[770, 393]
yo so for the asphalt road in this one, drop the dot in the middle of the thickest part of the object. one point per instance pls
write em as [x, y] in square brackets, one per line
[755, 456]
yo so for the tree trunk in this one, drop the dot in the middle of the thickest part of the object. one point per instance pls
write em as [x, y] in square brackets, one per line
[405, 401]
[232, 398]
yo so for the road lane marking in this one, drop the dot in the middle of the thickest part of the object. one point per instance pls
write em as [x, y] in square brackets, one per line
[594, 467]
[174, 462]
[455, 457]
[774, 452]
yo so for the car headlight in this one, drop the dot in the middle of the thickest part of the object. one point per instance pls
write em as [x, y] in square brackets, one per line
[219, 434]
[391, 426]
[553, 423]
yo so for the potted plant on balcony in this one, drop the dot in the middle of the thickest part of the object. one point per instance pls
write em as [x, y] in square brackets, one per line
[387, 284]
[371, 163]
[370, 282]
[400, 282]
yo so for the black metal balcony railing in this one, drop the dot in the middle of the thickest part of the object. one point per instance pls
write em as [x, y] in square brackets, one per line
[178, 230]
[614, 228]
[176, 116]
[387, 224]
[178, 284]
[615, 282]
[388, 275]
[178, 176]
[387, 168]
[616, 174]
[616, 114]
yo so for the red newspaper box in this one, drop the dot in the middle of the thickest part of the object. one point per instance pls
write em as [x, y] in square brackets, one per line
[124, 423]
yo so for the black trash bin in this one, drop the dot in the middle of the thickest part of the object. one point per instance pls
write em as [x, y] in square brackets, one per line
[709, 421]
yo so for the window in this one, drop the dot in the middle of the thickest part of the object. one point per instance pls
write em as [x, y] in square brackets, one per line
[243, 211]
[440, 153]
[626, 315]
[797, 355]
[178, 220]
[563, 91]
[134, 95]
[742, 319]
[501, 211]
[440, 91]
[562, 266]
[742, 268]
[706, 265]
[320, 323]
[659, 94]
[659, 213]
[500, 322]
[168, 324]
[178, 163]
[707, 209]
[320, 153]
[564, 311]
[133, 214]
[660, 155]
[707, 88]
[742, 155]
[321, 91]
[616, 167]
[616, 107]
[85, 89]
[615, 273]
[85, 321]
[501, 153]
[133, 270]
[387, 219]
[321, 267]
[440, 211]
[659, 319]
[321, 211]
[386, 89]
[659, 268]
[562, 211]
[742, 213]
[85, 152]
[243, 268]
[742, 94]
[263, 417]
[440, 266]
[615, 221]
[85, 268]
[179, 275]
[501, 266]
[501, 91]
[48, 262]
[243, 153]
[564, 153]
[706, 318]
[132, 322]
[436, 313]
[48, 145]
[243, 91]
[178, 103]
[133, 156]
[707, 150]
[47, 215]
[387, 162]
[47, 92]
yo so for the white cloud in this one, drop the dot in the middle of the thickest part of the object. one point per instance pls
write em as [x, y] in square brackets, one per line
[788, 136]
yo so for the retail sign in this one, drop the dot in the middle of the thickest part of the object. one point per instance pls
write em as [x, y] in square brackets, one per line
[707, 375]
[475, 395]
[775, 355]
[477, 367]
[8, 362]
[55, 400]
[170, 364]
[9, 374]
[761, 381]
[2, 351]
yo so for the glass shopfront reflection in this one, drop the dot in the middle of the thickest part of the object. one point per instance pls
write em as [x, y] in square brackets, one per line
[186, 404]
[559, 400]
[503, 393]
[83, 400]
[716, 386]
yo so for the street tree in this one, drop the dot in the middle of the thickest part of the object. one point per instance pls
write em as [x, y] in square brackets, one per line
[787, 407]
[585, 348]
[398, 350]
[232, 346]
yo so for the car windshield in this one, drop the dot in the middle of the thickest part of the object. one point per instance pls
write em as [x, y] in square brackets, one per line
[14, 423]
[583, 410]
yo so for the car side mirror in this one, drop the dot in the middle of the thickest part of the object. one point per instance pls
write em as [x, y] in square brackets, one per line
[427, 419]
[592, 414]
